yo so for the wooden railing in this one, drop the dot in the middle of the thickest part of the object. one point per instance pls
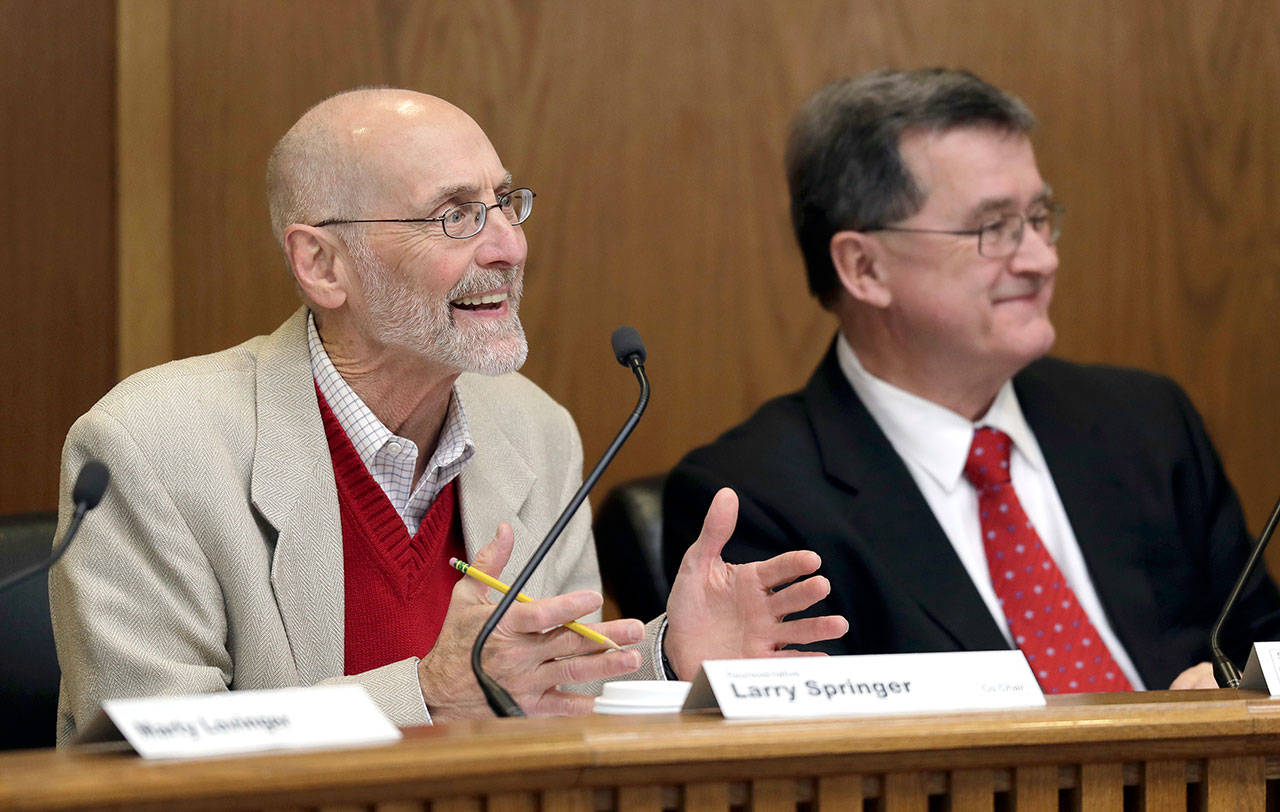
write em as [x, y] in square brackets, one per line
[1209, 750]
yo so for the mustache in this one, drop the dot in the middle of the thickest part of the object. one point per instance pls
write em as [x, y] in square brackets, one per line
[486, 279]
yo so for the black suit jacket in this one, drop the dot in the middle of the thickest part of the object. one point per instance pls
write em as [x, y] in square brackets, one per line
[1159, 525]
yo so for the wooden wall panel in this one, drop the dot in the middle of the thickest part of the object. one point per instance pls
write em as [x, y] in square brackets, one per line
[57, 264]
[654, 132]
[144, 191]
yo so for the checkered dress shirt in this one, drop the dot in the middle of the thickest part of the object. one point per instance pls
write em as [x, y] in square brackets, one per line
[390, 458]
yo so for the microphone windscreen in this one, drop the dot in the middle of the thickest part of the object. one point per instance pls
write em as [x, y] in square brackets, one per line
[626, 343]
[90, 484]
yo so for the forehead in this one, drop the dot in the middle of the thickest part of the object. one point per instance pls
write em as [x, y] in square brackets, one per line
[963, 169]
[416, 160]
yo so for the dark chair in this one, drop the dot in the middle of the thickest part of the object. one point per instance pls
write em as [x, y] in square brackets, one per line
[29, 672]
[628, 530]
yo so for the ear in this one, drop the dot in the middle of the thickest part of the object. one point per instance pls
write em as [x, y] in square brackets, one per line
[317, 265]
[856, 257]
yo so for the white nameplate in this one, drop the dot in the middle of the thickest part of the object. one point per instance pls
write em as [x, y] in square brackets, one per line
[250, 721]
[865, 685]
[1262, 672]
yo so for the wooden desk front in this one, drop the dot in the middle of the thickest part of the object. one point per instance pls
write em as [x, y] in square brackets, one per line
[1210, 750]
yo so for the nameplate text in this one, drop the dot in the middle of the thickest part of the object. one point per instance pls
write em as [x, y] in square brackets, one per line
[865, 685]
[250, 721]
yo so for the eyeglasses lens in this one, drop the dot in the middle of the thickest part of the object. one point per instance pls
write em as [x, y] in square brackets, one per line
[518, 205]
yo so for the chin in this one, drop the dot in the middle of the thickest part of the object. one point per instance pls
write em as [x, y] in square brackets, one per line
[497, 357]
[1035, 343]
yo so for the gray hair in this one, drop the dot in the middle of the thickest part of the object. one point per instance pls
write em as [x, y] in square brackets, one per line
[311, 174]
[844, 169]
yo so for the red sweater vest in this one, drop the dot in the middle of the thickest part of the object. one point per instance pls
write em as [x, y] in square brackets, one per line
[397, 587]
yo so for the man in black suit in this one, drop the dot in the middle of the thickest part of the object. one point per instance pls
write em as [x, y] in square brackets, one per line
[964, 491]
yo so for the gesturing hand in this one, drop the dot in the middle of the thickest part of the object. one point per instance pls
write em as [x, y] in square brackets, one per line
[1197, 676]
[529, 653]
[729, 611]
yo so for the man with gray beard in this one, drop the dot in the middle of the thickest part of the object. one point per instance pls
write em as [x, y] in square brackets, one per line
[282, 513]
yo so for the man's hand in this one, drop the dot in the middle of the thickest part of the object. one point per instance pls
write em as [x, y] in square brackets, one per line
[526, 660]
[727, 611]
[1197, 676]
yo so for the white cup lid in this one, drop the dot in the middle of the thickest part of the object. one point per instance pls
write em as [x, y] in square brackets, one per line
[642, 696]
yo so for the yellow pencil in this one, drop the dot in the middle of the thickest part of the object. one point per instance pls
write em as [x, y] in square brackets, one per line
[488, 580]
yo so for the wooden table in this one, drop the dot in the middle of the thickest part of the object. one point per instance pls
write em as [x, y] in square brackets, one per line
[1210, 750]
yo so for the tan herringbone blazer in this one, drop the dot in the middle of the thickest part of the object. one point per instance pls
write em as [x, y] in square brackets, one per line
[215, 560]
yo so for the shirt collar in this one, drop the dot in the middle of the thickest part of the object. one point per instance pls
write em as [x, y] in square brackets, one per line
[932, 436]
[367, 433]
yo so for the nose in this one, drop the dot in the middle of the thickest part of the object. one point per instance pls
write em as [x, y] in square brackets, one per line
[1035, 254]
[500, 243]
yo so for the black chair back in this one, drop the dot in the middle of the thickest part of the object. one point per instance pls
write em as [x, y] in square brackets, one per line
[628, 531]
[29, 673]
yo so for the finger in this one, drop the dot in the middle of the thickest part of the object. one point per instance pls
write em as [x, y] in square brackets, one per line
[810, 630]
[624, 632]
[589, 667]
[1193, 683]
[799, 596]
[547, 613]
[490, 559]
[562, 703]
[494, 555]
[790, 652]
[785, 568]
[717, 527]
[565, 642]
[1197, 676]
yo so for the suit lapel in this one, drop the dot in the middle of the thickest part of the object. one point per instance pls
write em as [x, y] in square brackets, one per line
[293, 489]
[495, 484]
[892, 518]
[1087, 477]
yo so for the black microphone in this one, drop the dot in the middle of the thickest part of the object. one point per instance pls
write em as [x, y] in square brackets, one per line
[91, 483]
[1225, 671]
[629, 350]
[627, 346]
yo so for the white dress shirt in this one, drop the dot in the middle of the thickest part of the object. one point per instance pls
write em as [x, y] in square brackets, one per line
[389, 457]
[934, 442]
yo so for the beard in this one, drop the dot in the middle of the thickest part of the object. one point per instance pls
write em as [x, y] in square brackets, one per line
[424, 323]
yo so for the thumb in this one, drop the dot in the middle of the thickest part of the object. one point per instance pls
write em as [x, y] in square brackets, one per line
[717, 527]
[490, 560]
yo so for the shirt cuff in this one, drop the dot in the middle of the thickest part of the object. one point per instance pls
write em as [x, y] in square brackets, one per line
[664, 669]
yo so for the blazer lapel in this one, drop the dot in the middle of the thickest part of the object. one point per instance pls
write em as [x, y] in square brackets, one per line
[293, 489]
[495, 484]
[1087, 477]
[893, 520]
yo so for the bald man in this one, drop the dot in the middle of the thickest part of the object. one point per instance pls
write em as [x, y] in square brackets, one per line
[282, 513]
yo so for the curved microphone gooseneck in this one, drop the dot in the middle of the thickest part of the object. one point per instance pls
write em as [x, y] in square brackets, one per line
[1224, 670]
[629, 350]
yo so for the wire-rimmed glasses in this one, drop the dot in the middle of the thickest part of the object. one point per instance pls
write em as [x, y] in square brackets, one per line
[465, 219]
[1001, 237]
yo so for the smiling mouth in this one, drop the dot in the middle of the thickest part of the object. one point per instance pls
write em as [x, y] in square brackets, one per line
[487, 301]
[1022, 295]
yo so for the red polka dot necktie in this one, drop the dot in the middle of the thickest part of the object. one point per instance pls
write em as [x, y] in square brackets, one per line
[1046, 620]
